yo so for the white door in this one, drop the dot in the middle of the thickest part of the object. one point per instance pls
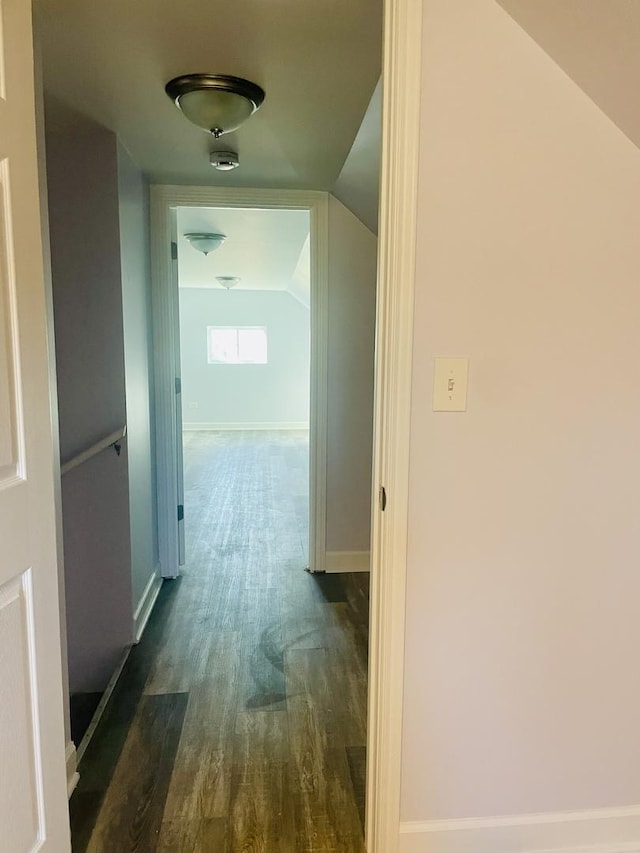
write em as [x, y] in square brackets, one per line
[33, 806]
[178, 374]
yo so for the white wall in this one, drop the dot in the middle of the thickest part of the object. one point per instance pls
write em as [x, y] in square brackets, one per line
[523, 585]
[352, 297]
[87, 297]
[276, 393]
[133, 196]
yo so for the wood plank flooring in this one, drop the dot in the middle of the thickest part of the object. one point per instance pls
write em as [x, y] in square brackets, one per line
[239, 722]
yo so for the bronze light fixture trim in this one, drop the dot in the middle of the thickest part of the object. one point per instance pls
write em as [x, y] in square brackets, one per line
[216, 103]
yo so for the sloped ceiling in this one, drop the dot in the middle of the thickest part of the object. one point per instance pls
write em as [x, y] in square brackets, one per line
[263, 247]
[597, 43]
[357, 186]
[318, 62]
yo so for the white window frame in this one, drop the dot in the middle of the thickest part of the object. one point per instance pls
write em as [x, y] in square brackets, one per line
[238, 360]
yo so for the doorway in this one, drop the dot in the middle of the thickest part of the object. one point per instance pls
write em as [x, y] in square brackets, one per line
[166, 201]
[244, 318]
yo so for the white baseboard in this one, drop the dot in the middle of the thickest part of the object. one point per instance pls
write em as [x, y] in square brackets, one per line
[217, 427]
[145, 605]
[140, 619]
[102, 704]
[348, 561]
[594, 831]
[71, 758]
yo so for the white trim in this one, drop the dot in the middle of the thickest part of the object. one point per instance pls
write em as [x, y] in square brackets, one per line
[318, 427]
[348, 561]
[196, 426]
[145, 605]
[71, 760]
[402, 62]
[102, 704]
[164, 200]
[592, 831]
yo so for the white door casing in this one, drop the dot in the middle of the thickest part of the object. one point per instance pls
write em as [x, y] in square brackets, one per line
[164, 201]
[33, 796]
[397, 237]
[182, 548]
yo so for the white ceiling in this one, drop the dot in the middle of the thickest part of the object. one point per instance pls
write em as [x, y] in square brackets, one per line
[318, 62]
[597, 43]
[263, 247]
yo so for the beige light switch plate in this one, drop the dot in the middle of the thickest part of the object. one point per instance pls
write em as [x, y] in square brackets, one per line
[450, 384]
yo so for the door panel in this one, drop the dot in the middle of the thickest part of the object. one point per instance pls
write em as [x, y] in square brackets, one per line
[33, 806]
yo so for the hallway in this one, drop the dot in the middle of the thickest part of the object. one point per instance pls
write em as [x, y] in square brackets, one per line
[239, 722]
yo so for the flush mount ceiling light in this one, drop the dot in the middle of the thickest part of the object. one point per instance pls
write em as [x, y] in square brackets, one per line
[224, 161]
[228, 281]
[215, 102]
[206, 243]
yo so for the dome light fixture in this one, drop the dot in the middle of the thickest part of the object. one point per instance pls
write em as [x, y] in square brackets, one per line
[224, 161]
[228, 281]
[216, 103]
[206, 243]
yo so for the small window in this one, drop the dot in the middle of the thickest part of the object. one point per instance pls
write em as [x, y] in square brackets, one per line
[236, 344]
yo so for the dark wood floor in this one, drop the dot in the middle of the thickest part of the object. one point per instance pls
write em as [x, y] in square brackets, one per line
[239, 722]
[82, 708]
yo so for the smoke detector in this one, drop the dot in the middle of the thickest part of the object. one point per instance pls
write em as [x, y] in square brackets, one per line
[224, 161]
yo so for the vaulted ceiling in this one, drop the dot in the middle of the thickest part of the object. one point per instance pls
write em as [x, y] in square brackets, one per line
[596, 42]
[262, 247]
[318, 62]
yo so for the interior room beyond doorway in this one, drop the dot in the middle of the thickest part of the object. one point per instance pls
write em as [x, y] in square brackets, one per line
[244, 306]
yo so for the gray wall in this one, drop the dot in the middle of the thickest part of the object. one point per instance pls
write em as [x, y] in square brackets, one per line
[87, 296]
[133, 194]
[352, 311]
[273, 393]
[358, 184]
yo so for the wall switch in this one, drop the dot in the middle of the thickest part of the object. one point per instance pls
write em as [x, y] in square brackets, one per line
[193, 405]
[450, 385]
